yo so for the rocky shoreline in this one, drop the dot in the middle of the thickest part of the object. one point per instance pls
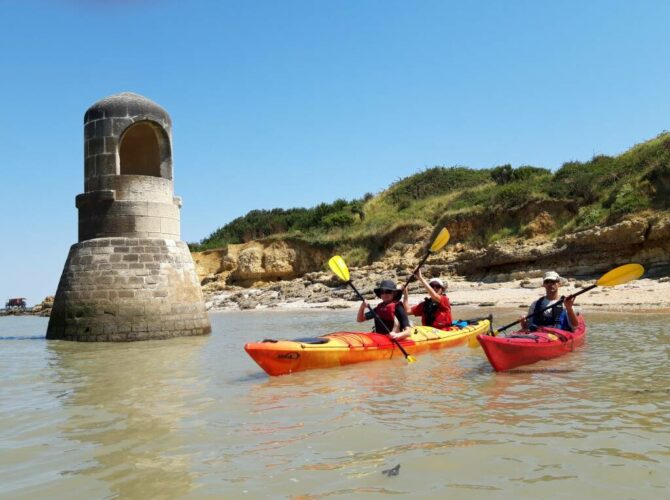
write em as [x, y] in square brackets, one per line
[324, 291]
[321, 291]
[288, 274]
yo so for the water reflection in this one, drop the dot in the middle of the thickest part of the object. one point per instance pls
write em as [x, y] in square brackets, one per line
[125, 408]
[197, 418]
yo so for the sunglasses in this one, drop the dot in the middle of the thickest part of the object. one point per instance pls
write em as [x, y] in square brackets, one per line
[550, 281]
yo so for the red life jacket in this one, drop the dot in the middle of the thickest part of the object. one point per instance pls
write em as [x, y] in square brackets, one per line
[442, 319]
[386, 313]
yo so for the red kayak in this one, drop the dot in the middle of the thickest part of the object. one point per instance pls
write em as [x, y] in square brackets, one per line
[523, 348]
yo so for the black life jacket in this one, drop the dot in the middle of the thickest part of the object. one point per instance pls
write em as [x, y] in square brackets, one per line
[430, 308]
[544, 319]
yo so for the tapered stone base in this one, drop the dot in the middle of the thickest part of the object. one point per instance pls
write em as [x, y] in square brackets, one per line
[125, 289]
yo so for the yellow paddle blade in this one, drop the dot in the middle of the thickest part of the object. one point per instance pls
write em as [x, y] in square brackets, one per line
[441, 240]
[339, 267]
[411, 359]
[620, 275]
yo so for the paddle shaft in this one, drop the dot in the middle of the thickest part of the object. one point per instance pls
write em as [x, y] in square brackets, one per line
[561, 300]
[378, 319]
[409, 280]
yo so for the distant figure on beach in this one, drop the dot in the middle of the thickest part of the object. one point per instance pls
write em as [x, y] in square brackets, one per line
[391, 315]
[435, 310]
[562, 315]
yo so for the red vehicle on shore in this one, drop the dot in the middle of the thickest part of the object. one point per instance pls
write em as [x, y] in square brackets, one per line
[16, 304]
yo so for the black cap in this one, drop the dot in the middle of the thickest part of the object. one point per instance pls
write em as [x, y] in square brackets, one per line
[388, 285]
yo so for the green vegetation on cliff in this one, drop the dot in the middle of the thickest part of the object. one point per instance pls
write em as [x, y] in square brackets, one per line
[477, 205]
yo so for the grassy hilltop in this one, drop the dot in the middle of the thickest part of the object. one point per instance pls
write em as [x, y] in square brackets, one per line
[479, 206]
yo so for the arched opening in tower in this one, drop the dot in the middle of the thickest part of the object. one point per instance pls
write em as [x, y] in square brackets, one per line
[139, 150]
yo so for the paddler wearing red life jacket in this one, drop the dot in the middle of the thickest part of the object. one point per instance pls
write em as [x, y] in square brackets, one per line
[561, 316]
[390, 311]
[435, 310]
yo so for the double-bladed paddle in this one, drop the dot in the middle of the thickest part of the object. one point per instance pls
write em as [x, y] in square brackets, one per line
[339, 267]
[438, 244]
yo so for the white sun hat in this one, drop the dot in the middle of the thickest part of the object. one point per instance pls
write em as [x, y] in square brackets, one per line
[552, 275]
[437, 281]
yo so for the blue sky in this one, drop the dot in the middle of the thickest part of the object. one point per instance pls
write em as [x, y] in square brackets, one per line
[291, 103]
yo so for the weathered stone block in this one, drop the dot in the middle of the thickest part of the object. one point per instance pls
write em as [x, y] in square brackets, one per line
[110, 328]
[140, 326]
[169, 226]
[150, 224]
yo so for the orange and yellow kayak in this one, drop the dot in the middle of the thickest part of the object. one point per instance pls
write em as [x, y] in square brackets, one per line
[280, 357]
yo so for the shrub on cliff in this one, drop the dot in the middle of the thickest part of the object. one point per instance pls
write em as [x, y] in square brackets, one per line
[625, 200]
[259, 224]
[583, 181]
[506, 174]
[433, 182]
[338, 219]
[503, 174]
[590, 216]
[659, 180]
[511, 196]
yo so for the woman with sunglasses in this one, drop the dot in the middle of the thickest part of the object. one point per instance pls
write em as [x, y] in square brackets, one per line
[391, 316]
[562, 315]
[435, 310]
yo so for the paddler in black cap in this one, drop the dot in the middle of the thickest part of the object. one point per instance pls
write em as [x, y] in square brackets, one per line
[390, 311]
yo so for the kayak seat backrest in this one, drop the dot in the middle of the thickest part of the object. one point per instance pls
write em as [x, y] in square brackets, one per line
[475, 320]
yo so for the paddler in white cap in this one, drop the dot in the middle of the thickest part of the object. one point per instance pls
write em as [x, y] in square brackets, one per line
[562, 315]
[435, 310]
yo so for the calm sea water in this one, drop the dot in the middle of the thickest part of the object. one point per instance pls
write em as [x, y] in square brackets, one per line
[196, 418]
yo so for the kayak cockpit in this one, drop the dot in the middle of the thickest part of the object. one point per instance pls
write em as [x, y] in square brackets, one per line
[303, 340]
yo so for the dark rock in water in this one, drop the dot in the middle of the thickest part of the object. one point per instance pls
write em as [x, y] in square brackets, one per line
[392, 472]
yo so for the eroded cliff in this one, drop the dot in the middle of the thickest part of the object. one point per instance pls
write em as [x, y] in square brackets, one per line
[643, 238]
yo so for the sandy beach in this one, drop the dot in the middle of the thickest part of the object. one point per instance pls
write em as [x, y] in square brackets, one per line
[643, 295]
[640, 295]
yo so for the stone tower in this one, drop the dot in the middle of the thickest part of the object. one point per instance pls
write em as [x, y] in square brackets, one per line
[129, 277]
